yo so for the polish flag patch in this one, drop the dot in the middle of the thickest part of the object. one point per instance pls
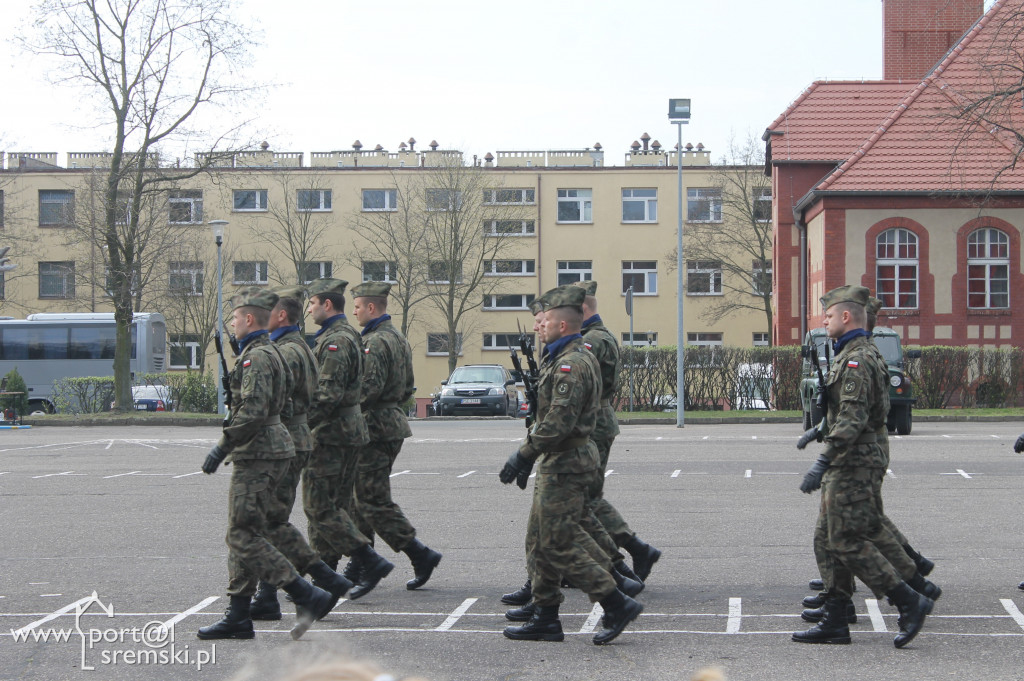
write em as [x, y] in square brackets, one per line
[246, 363]
[366, 351]
[565, 368]
[853, 364]
[332, 347]
[588, 346]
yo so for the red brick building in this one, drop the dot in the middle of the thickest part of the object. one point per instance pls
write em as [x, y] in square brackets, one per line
[910, 185]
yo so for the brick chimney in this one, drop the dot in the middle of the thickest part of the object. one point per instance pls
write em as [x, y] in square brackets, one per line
[918, 33]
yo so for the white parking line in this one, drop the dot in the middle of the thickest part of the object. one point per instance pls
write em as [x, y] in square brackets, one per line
[187, 474]
[52, 616]
[466, 475]
[395, 475]
[732, 626]
[107, 477]
[676, 472]
[889, 472]
[185, 613]
[592, 619]
[1014, 611]
[456, 614]
[877, 621]
[748, 473]
[50, 475]
[608, 472]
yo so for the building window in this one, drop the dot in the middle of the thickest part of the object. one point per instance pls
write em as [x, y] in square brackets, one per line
[311, 271]
[702, 338]
[250, 200]
[509, 197]
[510, 268]
[378, 200]
[642, 275]
[704, 204]
[444, 272]
[896, 268]
[703, 278]
[762, 210]
[310, 200]
[186, 277]
[574, 270]
[988, 269]
[639, 205]
[516, 301]
[108, 279]
[504, 341]
[185, 207]
[761, 277]
[640, 339]
[56, 207]
[184, 350]
[251, 272]
[57, 279]
[380, 270]
[443, 199]
[438, 344]
[575, 205]
[509, 228]
[761, 339]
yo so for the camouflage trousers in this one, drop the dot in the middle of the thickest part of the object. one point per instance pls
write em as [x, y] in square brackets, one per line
[251, 555]
[611, 520]
[557, 545]
[592, 524]
[857, 542]
[326, 493]
[281, 533]
[375, 511]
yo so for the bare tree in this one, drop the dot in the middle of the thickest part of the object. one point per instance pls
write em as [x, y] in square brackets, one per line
[150, 66]
[732, 249]
[20, 237]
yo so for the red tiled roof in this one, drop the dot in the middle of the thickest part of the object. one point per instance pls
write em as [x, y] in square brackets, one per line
[920, 146]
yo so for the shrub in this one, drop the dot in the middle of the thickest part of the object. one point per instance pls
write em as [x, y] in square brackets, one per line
[83, 394]
[15, 384]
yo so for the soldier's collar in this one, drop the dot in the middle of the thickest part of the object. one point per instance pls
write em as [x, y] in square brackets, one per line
[593, 319]
[838, 346]
[243, 342]
[278, 332]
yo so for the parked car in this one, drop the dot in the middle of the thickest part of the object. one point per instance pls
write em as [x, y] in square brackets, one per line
[480, 389]
[152, 398]
[524, 405]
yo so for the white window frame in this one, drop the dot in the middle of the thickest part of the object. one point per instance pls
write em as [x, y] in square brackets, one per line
[325, 269]
[442, 199]
[697, 198]
[565, 270]
[527, 268]
[390, 269]
[762, 339]
[260, 269]
[390, 201]
[190, 270]
[646, 198]
[492, 341]
[441, 281]
[259, 202]
[647, 268]
[192, 346]
[526, 228]
[492, 300]
[323, 200]
[762, 196]
[898, 248]
[62, 273]
[711, 270]
[65, 198]
[443, 337]
[522, 196]
[760, 271]
[582, 199]
[709, 338]
[641, 339]
[194, 203]
[994, 255]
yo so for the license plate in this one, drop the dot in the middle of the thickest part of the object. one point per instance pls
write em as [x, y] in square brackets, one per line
[141, 407]
[471, 400]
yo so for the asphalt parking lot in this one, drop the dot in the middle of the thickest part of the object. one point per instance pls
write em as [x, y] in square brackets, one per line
[123, 512]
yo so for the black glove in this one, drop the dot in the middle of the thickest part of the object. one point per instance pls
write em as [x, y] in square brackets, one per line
[213, 459]
[812, 479]
[812, 434]
[516, 468]
[1018, 446]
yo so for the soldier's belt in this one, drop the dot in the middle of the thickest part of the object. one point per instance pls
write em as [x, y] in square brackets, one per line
[866, 439]
[295, 420]
[570, 443]
[350, 410]
[273, 420]
[380, 405]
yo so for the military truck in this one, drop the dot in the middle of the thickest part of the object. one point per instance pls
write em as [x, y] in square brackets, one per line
[901, 394]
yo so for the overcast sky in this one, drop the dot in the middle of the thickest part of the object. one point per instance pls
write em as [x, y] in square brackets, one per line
[482, 76]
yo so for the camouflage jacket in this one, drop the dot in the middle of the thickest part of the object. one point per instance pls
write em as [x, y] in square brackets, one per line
[302, 365]
[600, 341]
[858, 402]
[387, 382]
[335, 416]
[568, 395]
[260, 384]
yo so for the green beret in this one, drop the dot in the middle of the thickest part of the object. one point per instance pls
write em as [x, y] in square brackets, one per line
[254, 296]
[296, 292]
[873, 306]
[564, 296]
[845, 294]
[319, 286]
[371, 288]
[537, 305]
[590, 286]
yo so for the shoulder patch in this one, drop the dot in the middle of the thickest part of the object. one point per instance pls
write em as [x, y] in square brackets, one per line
[366, 351]
[332, 347]
[850, 386]
[562, 388]
[853, 364]
[588, 346]
[246, 363]
[565, 368]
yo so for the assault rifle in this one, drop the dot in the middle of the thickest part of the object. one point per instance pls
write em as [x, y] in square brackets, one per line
[530, 377]
[225, 379]
[817, 432]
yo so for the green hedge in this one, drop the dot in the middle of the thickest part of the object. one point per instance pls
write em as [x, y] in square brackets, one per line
[957, 376]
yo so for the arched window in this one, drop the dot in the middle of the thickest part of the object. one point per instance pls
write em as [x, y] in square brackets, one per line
[988, 269]
[896, 268]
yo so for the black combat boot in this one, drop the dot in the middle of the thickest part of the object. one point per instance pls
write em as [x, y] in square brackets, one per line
[925, 587]
[521, 596]
[816, 585]
[913, 609]
[330, 581]
[627, 571]
[644, 556]
[311, 603]
[372, 568]
[833, 628]
[544, 625]
[818, 614]
[626, 585]
[924, 566]
[1021, 586]
[619, 611]
[522, 614]
[816, 601]
[424, 559]
[265, 605]
[351, 571]
[236, 622]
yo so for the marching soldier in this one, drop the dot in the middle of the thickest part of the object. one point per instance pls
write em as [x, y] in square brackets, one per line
[387, 384]
[262, 450]
[557, 545]
[339, 431]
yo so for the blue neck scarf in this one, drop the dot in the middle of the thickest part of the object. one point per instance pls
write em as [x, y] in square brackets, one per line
[242, 342]
[277, 333]
[838, 346]
[374, 323]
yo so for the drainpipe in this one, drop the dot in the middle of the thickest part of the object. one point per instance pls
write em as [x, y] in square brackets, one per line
[798, 220]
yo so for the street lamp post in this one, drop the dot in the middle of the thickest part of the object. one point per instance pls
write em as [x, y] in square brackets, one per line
[679, 114]
[218, 235]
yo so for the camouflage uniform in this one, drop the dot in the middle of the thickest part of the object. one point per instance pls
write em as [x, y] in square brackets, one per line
[568, 397]
[261, 449]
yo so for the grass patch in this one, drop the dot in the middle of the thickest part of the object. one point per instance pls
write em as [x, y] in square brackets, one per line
[697, 415]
